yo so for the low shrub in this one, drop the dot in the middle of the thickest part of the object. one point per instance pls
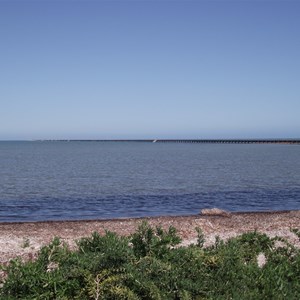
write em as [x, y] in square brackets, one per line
[151, 264]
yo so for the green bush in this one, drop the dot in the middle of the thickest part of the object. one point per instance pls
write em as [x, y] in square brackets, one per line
[151, 264]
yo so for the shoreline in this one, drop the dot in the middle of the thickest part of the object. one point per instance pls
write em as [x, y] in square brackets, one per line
[268, 212]
[24, 239]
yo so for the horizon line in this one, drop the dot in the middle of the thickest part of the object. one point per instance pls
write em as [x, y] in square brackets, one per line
[184, 140]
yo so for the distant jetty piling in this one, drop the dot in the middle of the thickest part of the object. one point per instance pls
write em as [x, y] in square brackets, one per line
[200, 141]
[234, 141]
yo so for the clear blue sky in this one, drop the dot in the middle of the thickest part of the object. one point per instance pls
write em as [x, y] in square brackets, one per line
[149, 69]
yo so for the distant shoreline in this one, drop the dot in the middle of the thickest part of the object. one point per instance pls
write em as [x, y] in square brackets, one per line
[184, 141]
[198, 141]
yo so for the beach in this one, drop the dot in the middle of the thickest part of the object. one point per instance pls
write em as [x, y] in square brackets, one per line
[24, 239]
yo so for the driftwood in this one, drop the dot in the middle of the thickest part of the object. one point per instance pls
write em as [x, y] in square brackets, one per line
[215, 212]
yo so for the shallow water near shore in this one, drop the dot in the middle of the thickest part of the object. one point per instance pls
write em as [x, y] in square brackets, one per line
[98, 180]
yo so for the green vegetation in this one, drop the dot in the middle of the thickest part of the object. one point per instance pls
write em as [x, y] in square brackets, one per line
[150, 264]
[26, 243]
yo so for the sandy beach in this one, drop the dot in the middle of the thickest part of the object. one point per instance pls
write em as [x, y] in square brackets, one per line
[25, 239]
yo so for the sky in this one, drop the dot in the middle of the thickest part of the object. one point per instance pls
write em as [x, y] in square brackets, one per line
[149, 69]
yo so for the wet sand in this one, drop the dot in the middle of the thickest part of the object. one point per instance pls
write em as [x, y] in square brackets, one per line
[25, 239]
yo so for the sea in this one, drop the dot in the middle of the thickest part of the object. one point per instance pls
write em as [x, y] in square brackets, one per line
[85, 180]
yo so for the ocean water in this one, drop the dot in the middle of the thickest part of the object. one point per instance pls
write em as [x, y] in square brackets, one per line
[100, 180]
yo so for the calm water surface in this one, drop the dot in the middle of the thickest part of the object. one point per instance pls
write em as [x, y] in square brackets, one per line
[96, 180]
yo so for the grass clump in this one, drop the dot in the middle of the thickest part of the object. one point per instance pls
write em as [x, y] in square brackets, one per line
[151, 264]
[25, 243]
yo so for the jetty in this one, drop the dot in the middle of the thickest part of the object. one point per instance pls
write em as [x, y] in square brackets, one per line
[198, 141]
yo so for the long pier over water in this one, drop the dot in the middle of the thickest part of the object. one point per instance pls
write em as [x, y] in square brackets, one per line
[234, 141]
[203, 141]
